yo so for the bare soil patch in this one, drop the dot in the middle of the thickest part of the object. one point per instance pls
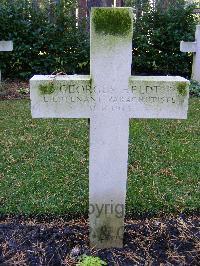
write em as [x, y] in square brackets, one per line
[14, 90]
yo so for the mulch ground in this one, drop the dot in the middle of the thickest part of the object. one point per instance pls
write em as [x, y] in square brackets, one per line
[58, 241]
[14, 90]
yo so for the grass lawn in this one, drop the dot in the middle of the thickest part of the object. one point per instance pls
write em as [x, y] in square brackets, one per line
[44, 163]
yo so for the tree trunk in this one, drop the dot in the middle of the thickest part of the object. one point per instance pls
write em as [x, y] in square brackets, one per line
[82, 11]
[99, 3]
[119, 3]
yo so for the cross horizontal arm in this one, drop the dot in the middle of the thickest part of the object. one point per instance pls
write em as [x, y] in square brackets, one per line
[61, 97]
[77, 97]
[188, 47]
[6, 46]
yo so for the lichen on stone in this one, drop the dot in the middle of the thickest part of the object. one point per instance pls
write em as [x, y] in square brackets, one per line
[182, 88]
[112, 21]
[47, 88]
[90, 81]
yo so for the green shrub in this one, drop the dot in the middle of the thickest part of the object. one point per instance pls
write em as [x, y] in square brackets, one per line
[195, 88]
[91, 261]
[42, 46]
[23, 91]
[156, 40]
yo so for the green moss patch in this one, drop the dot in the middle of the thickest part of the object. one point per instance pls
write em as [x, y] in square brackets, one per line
[47, 88]
[112, 21]
[182, 88]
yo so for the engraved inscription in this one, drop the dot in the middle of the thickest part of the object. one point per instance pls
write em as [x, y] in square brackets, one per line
[71, 94]
[109, 99]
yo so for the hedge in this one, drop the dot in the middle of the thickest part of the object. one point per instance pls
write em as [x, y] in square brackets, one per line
[157, 37]
[42, 46]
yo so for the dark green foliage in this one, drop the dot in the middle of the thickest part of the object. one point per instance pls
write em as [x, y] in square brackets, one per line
[157, 37]
[42, 45]
[195, 88]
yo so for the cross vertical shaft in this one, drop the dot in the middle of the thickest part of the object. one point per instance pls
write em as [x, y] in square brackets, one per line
[196, 63]
[111, 54]
[193, 47]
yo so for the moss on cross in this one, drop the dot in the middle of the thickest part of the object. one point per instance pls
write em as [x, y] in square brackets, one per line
[182, 88]
[112, 21]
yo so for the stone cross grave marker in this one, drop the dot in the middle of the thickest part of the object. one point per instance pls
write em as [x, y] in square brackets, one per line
[193, 47]
[5, 46]
[110, 96]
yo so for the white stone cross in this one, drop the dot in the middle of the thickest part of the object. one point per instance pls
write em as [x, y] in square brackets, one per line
[193, 47]
[5, 46]
[110, 96]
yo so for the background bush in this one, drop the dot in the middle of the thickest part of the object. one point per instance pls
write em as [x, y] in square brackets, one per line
[49, 40]
[42, 44]
[195, 88]
[157, 37]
